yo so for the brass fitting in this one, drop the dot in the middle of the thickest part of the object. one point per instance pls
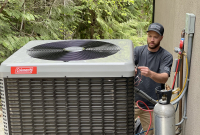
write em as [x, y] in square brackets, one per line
[175, 90]
[184, 53]
[179, 56]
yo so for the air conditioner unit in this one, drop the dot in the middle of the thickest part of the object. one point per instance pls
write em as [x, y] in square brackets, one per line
[69, 87]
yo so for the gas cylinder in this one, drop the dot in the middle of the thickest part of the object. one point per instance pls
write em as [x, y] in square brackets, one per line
[164, 114]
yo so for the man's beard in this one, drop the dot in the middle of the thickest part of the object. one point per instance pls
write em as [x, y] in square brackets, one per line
[153, 47]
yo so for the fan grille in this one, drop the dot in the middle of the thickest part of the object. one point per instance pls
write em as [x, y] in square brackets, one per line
[73, 50]
[60, 106]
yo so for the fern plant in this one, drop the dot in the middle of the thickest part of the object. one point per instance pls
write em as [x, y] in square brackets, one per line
[24, 20]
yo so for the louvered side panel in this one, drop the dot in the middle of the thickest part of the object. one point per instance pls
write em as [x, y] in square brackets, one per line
[4, 107]
[72, 106]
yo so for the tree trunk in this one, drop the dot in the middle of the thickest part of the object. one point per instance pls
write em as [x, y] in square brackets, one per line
[22, 22]
[64, 31]
[93, 22]
[3, 6]
[51, 8]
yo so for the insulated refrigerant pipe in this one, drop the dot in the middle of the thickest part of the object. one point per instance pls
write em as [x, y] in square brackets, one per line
[189, 55]
[144, 95]
[180, 103]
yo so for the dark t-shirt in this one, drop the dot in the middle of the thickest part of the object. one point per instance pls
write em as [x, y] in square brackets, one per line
[159, 62]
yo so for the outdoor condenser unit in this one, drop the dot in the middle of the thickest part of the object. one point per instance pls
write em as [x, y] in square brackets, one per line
[69, 87]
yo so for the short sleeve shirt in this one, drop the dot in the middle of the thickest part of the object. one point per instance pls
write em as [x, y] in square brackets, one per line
[159, 62]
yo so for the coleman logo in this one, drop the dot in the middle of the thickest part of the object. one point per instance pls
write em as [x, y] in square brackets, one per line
[23, 70]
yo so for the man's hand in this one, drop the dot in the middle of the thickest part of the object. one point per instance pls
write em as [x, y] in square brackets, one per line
[157, 77]
[145, 71]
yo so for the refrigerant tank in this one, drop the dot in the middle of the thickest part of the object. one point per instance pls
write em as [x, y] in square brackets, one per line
[164, 114]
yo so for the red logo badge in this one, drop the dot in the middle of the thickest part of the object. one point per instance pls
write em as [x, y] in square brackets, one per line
[23, 70]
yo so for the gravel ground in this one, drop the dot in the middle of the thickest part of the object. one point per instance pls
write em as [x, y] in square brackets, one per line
[1, 123]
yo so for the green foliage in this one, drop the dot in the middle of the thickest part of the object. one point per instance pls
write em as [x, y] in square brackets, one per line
[114, 19]
[24, 20]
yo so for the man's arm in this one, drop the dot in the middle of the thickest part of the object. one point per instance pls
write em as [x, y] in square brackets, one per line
[157, 77]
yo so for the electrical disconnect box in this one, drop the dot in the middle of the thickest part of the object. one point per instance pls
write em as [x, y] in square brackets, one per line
[190, 23]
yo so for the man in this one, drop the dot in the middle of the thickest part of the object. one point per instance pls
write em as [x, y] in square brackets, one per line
[153, 69]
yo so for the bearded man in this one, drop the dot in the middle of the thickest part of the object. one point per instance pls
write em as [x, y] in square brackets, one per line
[153, 69]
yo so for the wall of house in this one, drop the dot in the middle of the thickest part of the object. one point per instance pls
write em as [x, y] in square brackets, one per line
[172, 14]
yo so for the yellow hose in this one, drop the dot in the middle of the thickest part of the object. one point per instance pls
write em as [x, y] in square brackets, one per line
[185, 80]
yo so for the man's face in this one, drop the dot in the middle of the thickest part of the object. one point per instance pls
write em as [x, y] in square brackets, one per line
[153, 39]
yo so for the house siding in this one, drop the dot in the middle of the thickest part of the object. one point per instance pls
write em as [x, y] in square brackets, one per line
[172, 14]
